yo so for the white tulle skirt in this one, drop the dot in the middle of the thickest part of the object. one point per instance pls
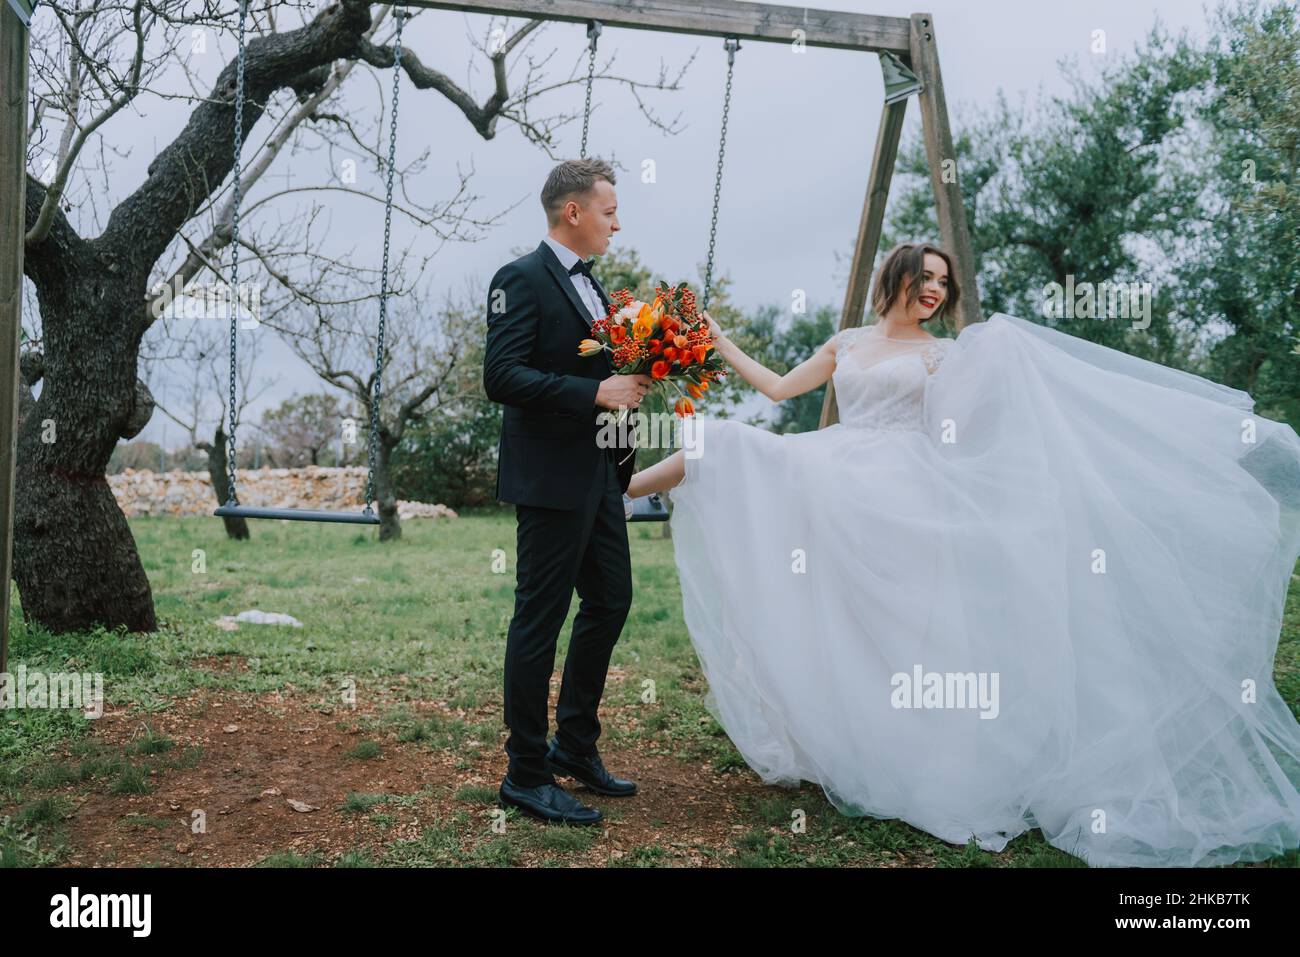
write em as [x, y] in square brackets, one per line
[1056, 607]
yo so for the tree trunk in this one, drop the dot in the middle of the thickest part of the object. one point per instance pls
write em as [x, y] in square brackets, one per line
[236, 528]
[76, 561]
[390, 526]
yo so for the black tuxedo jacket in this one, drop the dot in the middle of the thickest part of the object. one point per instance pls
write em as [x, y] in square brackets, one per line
[548, 454]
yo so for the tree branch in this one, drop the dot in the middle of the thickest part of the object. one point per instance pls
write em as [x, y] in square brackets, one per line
[483, 118]
[185, 172]
[221, 233]
[41, 228]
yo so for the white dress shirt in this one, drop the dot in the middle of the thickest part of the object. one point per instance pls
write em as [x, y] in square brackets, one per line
[586, 291]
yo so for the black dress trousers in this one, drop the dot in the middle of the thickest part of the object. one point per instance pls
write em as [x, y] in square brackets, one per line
[558, 550]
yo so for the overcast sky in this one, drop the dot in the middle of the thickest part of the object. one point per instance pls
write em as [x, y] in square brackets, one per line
[799, 142]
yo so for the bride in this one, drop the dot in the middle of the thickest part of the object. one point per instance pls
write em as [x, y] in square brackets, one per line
[1026, 581]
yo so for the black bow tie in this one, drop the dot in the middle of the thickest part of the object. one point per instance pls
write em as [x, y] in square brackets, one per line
[584, 267]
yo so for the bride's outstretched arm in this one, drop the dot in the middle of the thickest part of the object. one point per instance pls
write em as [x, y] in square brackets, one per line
[804, 377]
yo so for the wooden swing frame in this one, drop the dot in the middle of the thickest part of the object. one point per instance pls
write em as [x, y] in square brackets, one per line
[911, 39]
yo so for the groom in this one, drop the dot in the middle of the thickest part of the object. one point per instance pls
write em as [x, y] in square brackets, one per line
[566, 489]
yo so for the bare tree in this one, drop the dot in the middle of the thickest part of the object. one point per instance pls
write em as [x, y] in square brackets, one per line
[301, 427]
[202, 406]
[97, 282]
[421, 353]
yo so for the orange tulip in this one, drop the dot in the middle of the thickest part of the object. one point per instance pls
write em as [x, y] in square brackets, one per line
[694, 390]
[660, 369]
[684, 407]
[617, 334]
[589, 347]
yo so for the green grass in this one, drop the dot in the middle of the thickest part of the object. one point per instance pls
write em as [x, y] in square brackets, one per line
[417, 621]
[365, 751]
[281, 859]
[356, 803]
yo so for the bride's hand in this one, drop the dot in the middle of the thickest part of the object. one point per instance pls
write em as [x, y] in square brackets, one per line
[715, 330]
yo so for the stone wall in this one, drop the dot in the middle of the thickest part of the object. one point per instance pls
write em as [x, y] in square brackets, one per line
[143, 492]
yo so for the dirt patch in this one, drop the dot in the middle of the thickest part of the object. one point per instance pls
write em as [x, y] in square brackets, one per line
[261, 753]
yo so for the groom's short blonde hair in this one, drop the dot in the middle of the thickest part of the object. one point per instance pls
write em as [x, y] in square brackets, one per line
[572, 178]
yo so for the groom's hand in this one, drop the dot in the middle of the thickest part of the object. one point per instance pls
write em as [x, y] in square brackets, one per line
[622, 390]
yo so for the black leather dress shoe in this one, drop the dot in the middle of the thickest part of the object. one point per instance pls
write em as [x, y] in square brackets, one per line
[547, 802]
[589, 770]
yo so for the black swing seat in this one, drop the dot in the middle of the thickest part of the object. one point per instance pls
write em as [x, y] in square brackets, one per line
[235, 510]
[649, 508]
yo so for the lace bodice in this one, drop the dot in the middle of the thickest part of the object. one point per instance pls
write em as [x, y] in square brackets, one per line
[884, 393]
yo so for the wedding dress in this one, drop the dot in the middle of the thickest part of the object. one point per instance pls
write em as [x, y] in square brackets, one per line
[1026, 581]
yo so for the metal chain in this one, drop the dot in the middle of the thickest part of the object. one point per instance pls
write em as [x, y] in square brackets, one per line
[732, 44]
[593, 33]
[231, 447]
[377, 393]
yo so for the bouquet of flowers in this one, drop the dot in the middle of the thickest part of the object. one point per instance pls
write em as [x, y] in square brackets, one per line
[667, 340]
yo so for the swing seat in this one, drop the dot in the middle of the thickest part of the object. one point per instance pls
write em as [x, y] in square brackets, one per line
[235, 510]
[649, 508]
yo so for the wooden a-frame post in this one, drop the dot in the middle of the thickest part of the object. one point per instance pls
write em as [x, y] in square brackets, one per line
[13, 190]
[954, 234]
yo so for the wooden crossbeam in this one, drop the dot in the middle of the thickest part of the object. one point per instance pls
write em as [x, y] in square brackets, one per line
[954, 232]
[752, 21]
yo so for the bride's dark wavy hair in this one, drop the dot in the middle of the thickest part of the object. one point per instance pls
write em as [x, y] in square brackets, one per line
[904, 268]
